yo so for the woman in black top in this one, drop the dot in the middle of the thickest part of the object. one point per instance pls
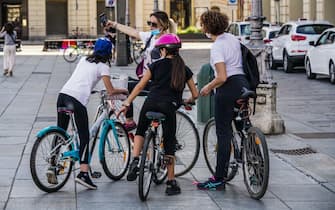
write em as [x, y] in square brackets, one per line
[168, 76]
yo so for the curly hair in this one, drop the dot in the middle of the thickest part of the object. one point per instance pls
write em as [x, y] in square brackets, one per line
[214, 22]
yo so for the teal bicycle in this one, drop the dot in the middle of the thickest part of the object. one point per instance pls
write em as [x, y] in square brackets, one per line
[55, 148]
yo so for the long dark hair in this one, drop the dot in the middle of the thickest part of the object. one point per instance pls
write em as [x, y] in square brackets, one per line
[178, 74]
[9, 28]
[97, 59]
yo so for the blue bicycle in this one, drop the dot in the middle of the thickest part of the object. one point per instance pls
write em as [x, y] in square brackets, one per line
[56, 149]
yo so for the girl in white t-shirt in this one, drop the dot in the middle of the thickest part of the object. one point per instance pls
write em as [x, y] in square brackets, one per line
[226, 60]
[159, 24]
[75, 95]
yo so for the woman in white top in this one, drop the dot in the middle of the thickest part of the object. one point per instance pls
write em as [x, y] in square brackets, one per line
[226, 60]
[159, 24]
[9, 48]
[75, 95]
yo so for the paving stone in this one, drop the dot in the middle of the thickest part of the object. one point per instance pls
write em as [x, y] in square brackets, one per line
[302, 193]
[312, 205]
[249, 204]
[27, 189]
[112, 205]
[7, 176]
[9, 162]
[41, 203]
[288, 177]
[4, 191]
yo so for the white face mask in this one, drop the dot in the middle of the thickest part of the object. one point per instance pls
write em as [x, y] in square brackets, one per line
[209, 36]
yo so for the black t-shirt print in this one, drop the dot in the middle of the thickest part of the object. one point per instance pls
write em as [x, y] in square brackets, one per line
[161, 90]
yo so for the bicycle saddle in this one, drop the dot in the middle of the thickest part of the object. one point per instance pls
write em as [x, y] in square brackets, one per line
[65, 110]
[155, 116]
[246, 93]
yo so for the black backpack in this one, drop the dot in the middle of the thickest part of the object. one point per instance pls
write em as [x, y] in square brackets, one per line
[250, 67]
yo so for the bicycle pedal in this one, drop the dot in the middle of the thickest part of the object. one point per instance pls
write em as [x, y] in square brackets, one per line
[96, 174]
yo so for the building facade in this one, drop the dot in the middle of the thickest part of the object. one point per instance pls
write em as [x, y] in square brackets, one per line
[47, 19]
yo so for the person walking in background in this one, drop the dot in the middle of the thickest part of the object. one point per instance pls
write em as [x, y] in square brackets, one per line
[9, 35]
[169, 76]
[75, 94]
[226, 60]
[159, 24]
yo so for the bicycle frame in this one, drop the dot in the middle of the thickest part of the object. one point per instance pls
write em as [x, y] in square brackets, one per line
[102, 120]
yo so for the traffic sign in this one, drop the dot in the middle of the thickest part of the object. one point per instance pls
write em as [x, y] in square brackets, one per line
[232, 2]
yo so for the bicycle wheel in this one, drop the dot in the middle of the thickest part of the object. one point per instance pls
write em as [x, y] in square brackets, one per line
[160, 168]
[70, 54]
[45, 155]
[255, 158]
[210, 149]
[147, 163]
[137, 56]
[116, 152]
[188, 144]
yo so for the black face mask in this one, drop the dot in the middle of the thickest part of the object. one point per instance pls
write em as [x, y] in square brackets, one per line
[155, 54]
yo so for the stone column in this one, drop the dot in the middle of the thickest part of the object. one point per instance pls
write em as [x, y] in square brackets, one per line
[266, 117]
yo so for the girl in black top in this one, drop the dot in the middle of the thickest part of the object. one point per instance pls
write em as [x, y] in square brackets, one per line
[168, 77]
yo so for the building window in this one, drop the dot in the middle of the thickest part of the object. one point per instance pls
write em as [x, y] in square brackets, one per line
[181, 12]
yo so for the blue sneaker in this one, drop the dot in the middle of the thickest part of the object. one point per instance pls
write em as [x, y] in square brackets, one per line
[211, 184]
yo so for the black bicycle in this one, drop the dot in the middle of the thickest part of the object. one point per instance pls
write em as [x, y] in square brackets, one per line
[152, 166]
[248, 148]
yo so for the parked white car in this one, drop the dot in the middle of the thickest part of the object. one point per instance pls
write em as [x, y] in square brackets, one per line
[292, 42]
[242, 30]
[320, 57]
[269, 33]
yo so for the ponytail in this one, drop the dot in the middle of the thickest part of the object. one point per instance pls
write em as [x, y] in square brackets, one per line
[178, 74]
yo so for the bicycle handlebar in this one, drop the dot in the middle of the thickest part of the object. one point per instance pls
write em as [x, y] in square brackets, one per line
[105, 95]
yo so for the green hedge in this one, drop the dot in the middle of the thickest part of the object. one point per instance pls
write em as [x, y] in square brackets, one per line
[189, 30]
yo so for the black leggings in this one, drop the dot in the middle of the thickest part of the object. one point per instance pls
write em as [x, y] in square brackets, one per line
[169, 124]
[225, 99]
[81, 119]
[131, 85]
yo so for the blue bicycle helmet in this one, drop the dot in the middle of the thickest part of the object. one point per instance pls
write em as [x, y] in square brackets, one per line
[103, 47]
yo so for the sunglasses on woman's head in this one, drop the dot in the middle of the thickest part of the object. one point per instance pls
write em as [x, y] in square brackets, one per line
[152, 24]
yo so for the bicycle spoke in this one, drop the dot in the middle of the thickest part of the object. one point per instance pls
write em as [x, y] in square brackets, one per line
[47, 155]
[116, 151]
[256, 163]
[187, 145]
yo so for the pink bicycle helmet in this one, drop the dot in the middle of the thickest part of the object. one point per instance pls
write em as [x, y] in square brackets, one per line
[169, 41]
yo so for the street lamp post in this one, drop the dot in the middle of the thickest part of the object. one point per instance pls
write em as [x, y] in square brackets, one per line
[121, 41]
[155, 5]
[266, 117]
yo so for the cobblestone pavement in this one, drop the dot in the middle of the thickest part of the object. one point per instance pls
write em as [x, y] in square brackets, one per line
[28, 101]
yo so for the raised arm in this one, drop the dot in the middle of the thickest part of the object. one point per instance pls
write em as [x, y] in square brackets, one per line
[124, 29]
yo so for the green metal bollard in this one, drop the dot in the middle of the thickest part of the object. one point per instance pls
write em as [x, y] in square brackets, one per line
[205, 104]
